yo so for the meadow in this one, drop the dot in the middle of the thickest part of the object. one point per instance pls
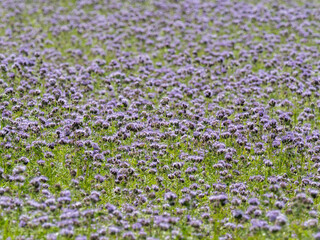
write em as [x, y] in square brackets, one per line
[161, 119]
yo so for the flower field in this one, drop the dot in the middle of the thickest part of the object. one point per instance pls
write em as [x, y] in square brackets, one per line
[161, 119]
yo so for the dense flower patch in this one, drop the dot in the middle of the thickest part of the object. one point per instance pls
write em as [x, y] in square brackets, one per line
[159, 119]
